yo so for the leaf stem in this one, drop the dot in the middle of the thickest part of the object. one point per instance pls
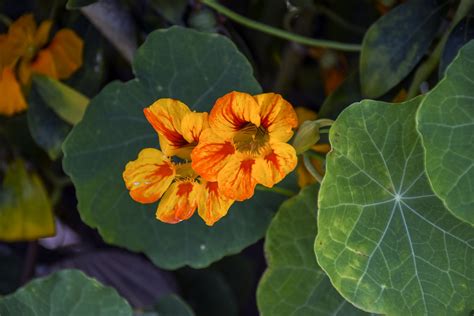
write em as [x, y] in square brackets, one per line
[278, 190]
[280, 33]
[309, 166]
[427, 67]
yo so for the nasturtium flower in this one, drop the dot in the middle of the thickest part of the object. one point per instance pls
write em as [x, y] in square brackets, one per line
[167, 175]
[21, 54]
[245, 143]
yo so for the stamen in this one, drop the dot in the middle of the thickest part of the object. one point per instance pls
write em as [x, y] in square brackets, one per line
[251, 138]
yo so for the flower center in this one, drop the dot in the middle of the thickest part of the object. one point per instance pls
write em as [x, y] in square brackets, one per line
[251, 138]
[184, 171]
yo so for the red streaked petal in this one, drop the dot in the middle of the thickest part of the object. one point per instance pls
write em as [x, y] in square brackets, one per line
[232, 112]
[213, 205]
[211, 155]
[165, 115]
[149, 176]
[192, 125]
[235, 179]
[179, 202]
[275, 164]
[278, 116]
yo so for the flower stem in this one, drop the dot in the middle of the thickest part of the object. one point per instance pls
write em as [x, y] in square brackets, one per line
[280, 33]
[427, 67]
[278, 190]
[309, 166]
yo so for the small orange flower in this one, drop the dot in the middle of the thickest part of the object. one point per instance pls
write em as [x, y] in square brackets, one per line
[21, 55]
[154, 176]
[246, 143]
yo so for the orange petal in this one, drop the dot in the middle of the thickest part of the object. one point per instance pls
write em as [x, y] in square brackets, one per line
[165, 115]
[179, 202]
[12, 100]
[305, 114]
[24, 72]
[235, 179]
[21, 35]
[211, 155]
[192, 126]
[232, 112]
[277, 162]
[42, 34]
[149, 176]
[62, 57]
[321, 148]
[278, 116]
[212, 204]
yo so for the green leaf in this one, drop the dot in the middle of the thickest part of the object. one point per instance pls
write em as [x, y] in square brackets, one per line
[25, 209]
[294, 284]
[65, 293]
[446, 124]
[386, 241]
[172, 305]
[76, 4]
[396, 43]
[462, 33]
[68, 103]
[175, 63]
[307, 136]
[47, 129]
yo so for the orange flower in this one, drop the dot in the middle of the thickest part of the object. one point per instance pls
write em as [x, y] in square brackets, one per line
[155, 176]
[246, 143]
[20, 56]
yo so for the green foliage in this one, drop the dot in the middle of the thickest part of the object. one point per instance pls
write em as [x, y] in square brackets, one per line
[395, 44]
[385, 240]
[68, 103]
[446, 124]
[294, 284]
[462, 33]
[173, 63]
[172, 305]
[47, 129]
[65, 293]
[25, 208]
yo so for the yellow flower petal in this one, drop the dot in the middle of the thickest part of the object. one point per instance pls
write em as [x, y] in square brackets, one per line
[232, 112]
[24, 72]
[12, 100]
[213, 205]
[42, 34]
[165, 115]
[235, 179]
[192, 125]
[149, 176]
[277, 162]
[305, 114]
[211, 155]
[277, 116]
[62, 57]
[179, 202]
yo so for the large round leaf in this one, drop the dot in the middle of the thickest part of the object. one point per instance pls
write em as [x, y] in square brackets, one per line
[196, 68]
[446, 124]
[396, 43]
[65, 293]
[386, 241]
[294, 284]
